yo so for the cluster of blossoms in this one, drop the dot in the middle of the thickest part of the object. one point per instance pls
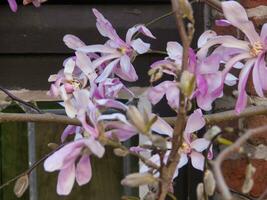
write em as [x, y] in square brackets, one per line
[14, 6]
[91, 81]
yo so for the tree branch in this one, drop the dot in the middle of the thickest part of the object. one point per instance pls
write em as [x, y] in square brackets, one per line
[222, 156]
[44, 118]
[228, 115]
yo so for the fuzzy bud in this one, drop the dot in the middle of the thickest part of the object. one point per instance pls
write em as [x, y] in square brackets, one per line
[21, 185]
[137, 119]
[249, 182]
[209, 182]
[137, 179]
[187, 83]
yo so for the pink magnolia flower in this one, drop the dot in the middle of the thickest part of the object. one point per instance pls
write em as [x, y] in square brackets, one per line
[117, 53]
[13, 5]
[191, 147]
[110, 88]
[168, 88]
[252, 51]
[208, 79]
[73, 162]
[170, 65]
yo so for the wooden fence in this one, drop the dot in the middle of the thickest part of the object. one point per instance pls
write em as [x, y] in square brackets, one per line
[31, 49]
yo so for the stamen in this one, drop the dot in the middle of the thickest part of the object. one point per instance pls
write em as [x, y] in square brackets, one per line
[256, 49]
[76, 84]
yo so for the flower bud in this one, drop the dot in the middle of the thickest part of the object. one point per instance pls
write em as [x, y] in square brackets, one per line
[136, 119]
[137, 179]
[209, 183]
[212, 132]
[21, 185]
[158, 142]
[249, 182]
[187, 83]
[120, 152]
[200, 192]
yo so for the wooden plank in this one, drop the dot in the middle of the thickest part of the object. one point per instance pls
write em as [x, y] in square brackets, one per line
[13, 156]
[97, 2]
[41, 95]
[37, 31]
[107, 172]
[32, 72]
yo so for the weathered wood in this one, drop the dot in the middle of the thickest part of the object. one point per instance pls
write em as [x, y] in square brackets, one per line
[32, 71]
[13, 156]
[41, 30]
[41, 95]
[107, 172]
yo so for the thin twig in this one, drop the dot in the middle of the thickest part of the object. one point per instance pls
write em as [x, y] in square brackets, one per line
[45, 118]
[153, 21]
[14, 98]
[230, 115]
[215, 4]
[28, 171]
[61, 119]
[222, 156]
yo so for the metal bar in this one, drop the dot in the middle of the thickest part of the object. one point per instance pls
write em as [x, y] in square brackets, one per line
[32, 158]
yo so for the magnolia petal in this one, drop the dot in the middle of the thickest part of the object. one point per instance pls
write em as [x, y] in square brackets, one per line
[140, 46]
[73, 42]
[66, 179]
[138, 28]
[97, 48]
[83, 170]
[104, 26]
[237, 16]
[155, 94]
[82, 98]
[154, 159]
[131, 76]
[194, 123]
[69, 130]
[13, 5]
[84, 63]
[222, 22]
[230, 79]
[114, 116]
[175, 51]
[210, 64]
[95, 147]
[256, 75]
[69, 108]
[200, 144]
[56, 160]
[204, 37]
[205, 102]
[69, 66]
[111, 103]
[173, 97]
[263, 34]
[161, 126]
[197, 160]
[226, 41]
[125, 64]
[243, 77]
[99, 62]
[183, 160]
[107, 71]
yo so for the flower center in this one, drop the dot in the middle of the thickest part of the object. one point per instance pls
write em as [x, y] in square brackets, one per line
[185, 148]
[76, 84]
[256, 49]
[122, 50]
